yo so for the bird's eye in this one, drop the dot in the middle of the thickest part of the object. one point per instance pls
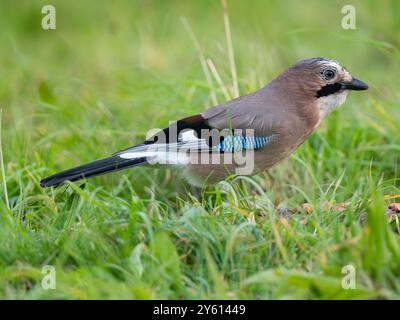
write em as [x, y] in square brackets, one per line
[328, 74]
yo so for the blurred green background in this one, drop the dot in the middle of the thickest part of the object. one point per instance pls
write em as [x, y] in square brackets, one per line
[112, 70]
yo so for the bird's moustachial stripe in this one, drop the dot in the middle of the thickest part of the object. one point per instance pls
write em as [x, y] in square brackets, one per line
[328, 90]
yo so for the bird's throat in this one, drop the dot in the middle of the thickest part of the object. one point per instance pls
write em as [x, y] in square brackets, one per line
[329, 103]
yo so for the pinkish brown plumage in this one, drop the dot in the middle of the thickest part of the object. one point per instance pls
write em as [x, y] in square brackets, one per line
[267, 125]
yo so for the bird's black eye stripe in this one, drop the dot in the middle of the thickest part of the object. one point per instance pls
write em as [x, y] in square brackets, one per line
[328, 89]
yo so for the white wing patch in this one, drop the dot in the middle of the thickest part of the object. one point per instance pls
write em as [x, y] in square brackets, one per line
[179, 152]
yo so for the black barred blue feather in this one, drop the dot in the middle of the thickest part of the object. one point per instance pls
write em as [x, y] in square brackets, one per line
[239, 143]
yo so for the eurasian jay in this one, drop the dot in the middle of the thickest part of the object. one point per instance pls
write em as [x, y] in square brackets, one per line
[240, 137]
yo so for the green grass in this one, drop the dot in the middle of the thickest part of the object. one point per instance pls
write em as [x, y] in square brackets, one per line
[109, 72]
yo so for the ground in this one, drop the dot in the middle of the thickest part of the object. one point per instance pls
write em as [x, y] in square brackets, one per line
[110, 71]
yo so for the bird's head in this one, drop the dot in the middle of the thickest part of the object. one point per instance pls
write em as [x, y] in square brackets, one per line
[324, 81]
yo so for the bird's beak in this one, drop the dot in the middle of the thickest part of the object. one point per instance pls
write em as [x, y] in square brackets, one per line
[354, 84]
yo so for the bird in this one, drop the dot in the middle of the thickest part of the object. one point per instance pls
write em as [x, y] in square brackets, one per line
[243, 136]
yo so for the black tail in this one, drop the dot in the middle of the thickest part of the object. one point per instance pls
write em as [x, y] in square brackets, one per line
[92, 169]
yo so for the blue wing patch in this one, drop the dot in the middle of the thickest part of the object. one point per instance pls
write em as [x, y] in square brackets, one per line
[239, 143]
